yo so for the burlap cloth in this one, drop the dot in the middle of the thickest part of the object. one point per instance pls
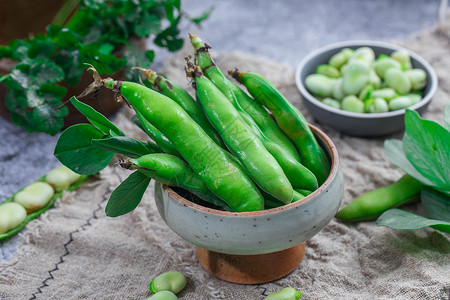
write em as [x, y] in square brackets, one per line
[74, 251]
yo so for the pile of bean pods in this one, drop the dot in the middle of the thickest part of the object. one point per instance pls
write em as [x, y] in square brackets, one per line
[35, 198]
[224, 146]
[356, 81]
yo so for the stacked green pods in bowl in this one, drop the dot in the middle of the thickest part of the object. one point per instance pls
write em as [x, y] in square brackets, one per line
[362, 87]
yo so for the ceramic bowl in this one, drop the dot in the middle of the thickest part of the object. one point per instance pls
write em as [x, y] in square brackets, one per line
[360, 124]
[258, 232]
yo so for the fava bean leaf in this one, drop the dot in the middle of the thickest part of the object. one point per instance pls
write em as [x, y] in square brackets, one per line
[96, 118]
[74, 149]
[124, 145]
[436, 204]
[401, 219]
[394, 152]
[426, 144]
[447, 117]
[127, 196]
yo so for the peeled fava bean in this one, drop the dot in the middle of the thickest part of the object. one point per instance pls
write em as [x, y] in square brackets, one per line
[418, 78]
[332, 103]
[168, 281]
[11, 215]
[385, 93]
[364, 53]
[34, 196]
[379, 105]
[163, 295]
[355, 77]
[414, 98]
[341, 58]
[353, 104]
[328, 71]
[374, 79]
[398, 80]
[61, 178]
[285, 294]
[400, 103]
[320, 85]
[403, 58]
[381, 66]
[338, 93]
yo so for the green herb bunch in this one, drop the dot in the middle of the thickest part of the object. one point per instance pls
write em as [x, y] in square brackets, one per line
[96, 32]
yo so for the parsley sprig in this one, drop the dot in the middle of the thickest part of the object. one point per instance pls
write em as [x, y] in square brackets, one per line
[100, 33]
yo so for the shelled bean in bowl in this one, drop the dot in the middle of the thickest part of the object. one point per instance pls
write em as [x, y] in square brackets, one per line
[362, 88]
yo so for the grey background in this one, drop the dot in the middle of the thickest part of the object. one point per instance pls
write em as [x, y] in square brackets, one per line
[283, 31]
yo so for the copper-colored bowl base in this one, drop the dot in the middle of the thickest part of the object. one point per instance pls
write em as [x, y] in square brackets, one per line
[251, 269]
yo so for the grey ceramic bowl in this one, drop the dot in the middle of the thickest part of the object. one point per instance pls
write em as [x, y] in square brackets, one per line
[257, 232]
[360, 124]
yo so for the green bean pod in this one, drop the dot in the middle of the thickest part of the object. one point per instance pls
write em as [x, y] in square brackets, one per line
[242, 140]
[157, 136]
[372, 204]
[290, 120]
[299, 176]
[265, 122]
[174, 172]
[221, 174]
[180, 96]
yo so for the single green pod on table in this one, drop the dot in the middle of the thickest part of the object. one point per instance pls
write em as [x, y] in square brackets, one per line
[220, 173]
[241, 139]
[288, 293]
[174, 172]
[169, 281]
[289, 119]
[372, 204]
[163, 295]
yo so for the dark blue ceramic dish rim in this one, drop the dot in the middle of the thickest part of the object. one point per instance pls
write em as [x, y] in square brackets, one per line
[361, 43]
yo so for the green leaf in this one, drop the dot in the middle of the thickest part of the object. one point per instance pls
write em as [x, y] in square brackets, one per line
[124, 145]
[74, 149]
[135, 57]
[447, 117]
[394, 152]
[169, 38]
[96, 118]
[127, 196]
[49, 115]
[202, 17]
[401, 219]
[427, 146]
[436, 204]
[150, 24]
